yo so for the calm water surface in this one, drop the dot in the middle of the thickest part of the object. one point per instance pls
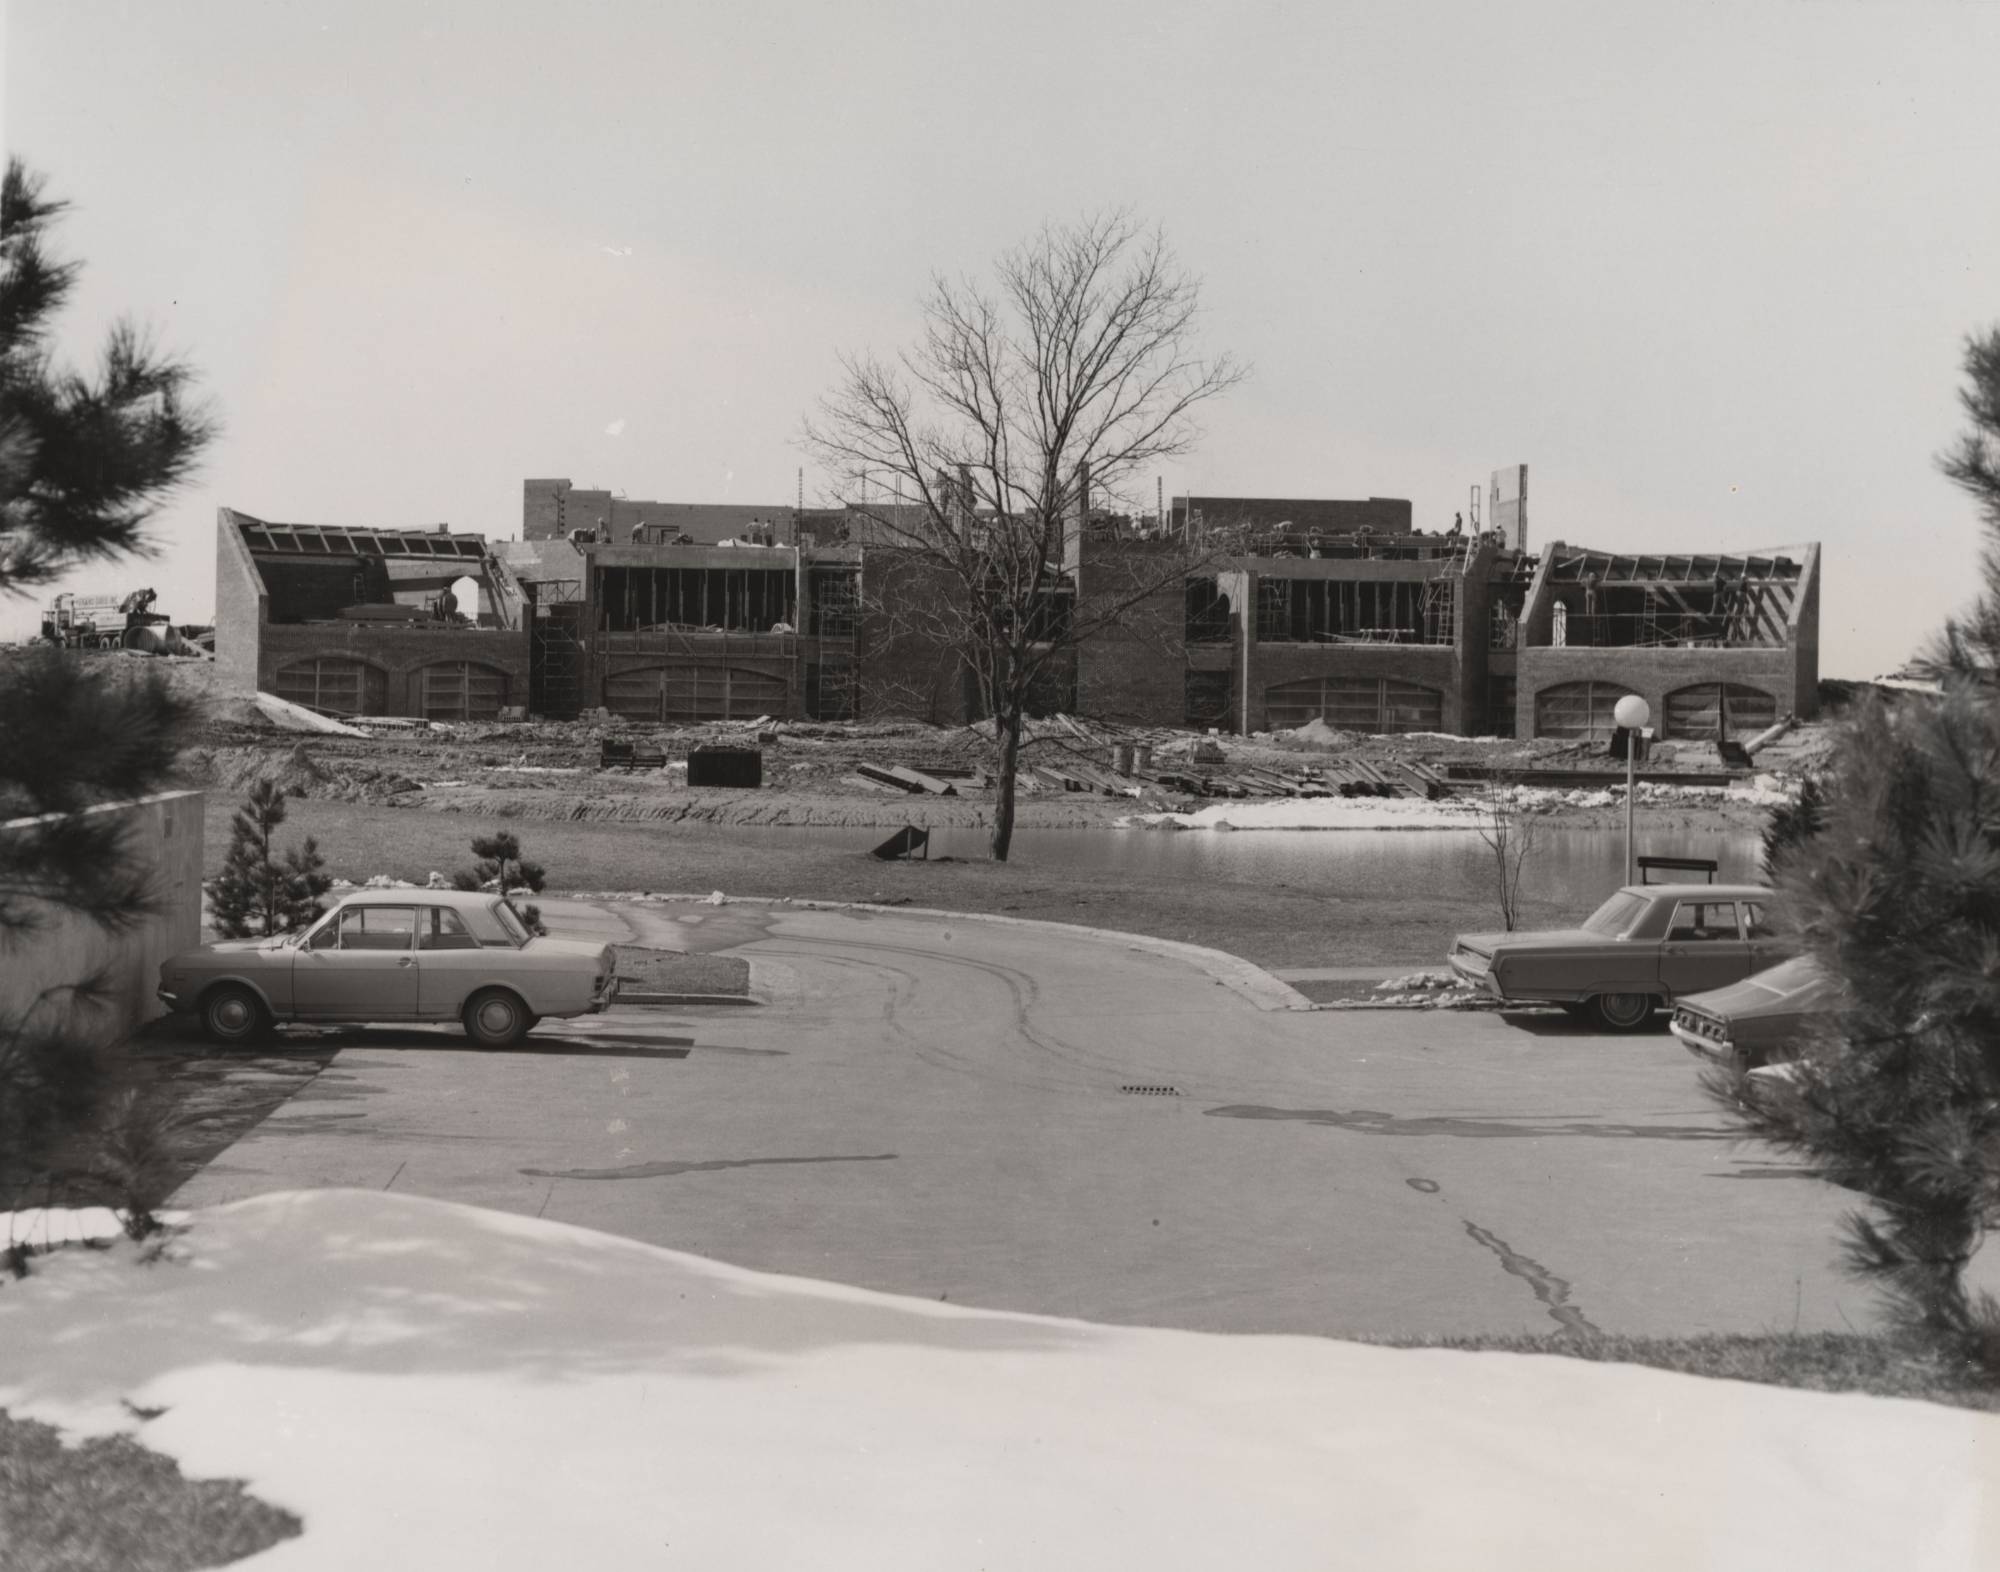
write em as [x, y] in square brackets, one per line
[1570, 866]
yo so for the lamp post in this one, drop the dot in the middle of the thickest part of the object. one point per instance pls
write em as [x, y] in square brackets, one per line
[1631, 713]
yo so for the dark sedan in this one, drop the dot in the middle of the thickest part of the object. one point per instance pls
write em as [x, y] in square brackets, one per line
[1648, 945]
[1758, 1021]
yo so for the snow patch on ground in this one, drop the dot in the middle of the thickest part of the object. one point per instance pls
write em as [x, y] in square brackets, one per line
[431, 1385]
[1319, 813]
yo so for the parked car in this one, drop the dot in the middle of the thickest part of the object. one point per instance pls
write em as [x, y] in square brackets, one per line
[1758, 1021]
[394, 955]
[1648, 945]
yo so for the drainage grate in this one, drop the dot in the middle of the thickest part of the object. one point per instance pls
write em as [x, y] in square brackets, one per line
[1150, 1091]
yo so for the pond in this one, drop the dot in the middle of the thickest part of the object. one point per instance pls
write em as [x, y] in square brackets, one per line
[1572, 867]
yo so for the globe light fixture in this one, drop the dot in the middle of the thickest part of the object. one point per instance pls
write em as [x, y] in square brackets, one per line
[1632, 713]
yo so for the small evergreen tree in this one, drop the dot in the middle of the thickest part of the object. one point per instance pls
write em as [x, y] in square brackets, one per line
[84, 461]
[502, 866]
[1897, 896]
[259, 892]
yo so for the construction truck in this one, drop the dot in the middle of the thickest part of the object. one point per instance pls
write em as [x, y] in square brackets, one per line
[113, 622]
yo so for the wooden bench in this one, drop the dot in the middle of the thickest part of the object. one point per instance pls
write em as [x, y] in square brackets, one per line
[1704, 866]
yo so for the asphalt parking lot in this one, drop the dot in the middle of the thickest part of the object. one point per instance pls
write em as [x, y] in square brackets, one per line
[1026, 1117]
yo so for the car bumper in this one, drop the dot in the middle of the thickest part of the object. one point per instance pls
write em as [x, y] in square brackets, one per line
[1480, 979]
[173, 1000]
[1704, 1048]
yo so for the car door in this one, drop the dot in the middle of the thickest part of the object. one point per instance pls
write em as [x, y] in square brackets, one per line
[451, 962]
[1767, 948]
[1704, 947]
[361, 967]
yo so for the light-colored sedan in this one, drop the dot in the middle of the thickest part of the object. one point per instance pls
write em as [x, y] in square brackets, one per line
[394, 955]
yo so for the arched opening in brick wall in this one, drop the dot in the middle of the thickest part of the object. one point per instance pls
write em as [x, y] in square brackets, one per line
[1714, 710]
[333, 685]
[1364, 704]
[1578, 711]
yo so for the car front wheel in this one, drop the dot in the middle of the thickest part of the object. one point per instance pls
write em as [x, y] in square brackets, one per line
[1622, 1012]
[233, 1015]
[496, 1019]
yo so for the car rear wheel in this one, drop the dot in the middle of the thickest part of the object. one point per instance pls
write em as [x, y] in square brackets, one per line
[495, 1018]
[1622, 1012]
[233, 1015]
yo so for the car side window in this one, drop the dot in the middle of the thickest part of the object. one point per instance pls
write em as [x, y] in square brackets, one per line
[486, 927]
[1696, 922]
[440, 928]
[1755, 924]
[377, 927]
[326, 936]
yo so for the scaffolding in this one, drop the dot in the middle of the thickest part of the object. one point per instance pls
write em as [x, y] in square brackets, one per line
[555, 647]
[1716, 602]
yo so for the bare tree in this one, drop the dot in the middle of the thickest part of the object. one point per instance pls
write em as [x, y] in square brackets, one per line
[981, 452]
[1510, 835]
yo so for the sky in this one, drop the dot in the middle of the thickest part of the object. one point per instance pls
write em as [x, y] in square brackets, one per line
[1707, 269]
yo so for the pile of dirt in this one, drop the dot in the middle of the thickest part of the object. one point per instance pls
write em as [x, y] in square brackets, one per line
[233, 770]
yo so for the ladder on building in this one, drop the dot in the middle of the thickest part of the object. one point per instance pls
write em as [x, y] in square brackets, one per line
[1440, 603]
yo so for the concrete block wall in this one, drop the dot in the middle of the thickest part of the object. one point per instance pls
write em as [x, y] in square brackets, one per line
[240, 607]
[166, 832]
[1803, 630]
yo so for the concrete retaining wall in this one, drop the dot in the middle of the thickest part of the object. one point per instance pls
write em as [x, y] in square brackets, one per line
[166, 831]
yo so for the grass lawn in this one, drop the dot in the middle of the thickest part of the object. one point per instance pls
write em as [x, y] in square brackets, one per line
[1880, 1364]
[110, 1505]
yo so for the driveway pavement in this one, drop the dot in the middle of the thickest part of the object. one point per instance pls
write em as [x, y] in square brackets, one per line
[1030, 1117]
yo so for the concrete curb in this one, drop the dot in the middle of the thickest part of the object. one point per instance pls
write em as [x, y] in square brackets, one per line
[685, 998]
[1239, 976]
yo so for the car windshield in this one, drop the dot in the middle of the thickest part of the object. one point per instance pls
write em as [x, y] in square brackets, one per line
[516, 929]
[1616, 915]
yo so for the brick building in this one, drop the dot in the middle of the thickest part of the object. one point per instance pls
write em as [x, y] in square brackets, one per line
[366, 621]
[1342, 610]
[1302, 608]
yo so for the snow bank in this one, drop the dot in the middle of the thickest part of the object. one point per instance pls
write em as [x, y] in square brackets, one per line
[1319, 813]
[429, 1385]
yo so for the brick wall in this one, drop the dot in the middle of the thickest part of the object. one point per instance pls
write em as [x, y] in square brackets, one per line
[902, 667]
[1134, 670]
[1384, 515]
[1429, 665]
[400, 653]
[542, 509]
[1653, 674]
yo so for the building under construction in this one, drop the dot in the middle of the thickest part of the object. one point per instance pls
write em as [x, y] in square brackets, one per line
[1299, 609]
